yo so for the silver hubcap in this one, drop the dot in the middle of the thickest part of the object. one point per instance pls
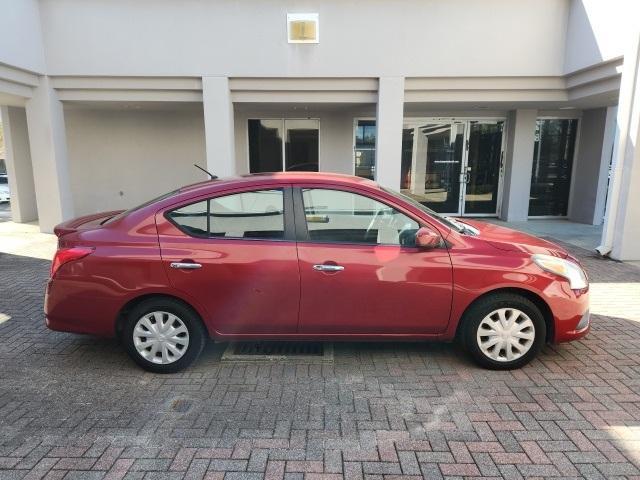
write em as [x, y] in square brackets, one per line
[506, 334]
[161, 337]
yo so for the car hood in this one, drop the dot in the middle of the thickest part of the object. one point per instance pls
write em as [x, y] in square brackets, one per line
[510, 240]
[4, 188]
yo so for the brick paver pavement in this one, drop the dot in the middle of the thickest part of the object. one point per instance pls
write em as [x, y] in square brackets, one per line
[76, 407]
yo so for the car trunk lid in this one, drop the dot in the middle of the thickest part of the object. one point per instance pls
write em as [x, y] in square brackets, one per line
[85, 222]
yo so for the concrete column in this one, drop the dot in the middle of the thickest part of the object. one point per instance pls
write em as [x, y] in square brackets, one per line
[621, 235]
[49, 158]
[587, 168]
[18, 160]
[389, 118]
[218, 126]
[521, 127]
[608, 141]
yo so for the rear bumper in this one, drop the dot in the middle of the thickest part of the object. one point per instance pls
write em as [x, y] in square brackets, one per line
[69, 310]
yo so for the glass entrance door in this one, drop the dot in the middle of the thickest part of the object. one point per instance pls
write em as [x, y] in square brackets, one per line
[453, 166]
[483, 164]
[432, 158]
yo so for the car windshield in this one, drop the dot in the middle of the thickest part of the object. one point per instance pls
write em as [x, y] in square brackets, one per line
[127, 212]
[3, 180]
[449, 222]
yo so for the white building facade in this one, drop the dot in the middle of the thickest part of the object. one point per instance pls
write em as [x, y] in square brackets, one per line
[497, 108]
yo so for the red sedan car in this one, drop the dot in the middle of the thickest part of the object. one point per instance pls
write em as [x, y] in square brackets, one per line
[308, 256]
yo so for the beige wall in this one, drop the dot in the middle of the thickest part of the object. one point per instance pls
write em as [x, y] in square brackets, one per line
[248, 37]
[20, 35]
[598, 30]
[139, 153]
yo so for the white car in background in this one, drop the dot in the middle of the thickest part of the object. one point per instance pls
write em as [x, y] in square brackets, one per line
[4, 188]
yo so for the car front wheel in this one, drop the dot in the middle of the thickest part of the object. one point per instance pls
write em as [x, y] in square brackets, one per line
[503, 331]
[163, 336]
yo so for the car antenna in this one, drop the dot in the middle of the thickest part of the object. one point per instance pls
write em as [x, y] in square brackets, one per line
[213, 177]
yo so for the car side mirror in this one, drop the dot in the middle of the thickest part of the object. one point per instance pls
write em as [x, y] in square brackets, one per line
[427, 239]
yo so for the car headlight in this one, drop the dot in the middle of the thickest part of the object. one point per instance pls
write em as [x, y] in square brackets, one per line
[564, 268]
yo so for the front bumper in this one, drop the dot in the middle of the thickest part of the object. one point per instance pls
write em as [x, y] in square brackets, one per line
[583, 327]
[572, 318]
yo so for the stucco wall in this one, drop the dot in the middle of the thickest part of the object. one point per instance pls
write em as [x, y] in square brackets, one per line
[20, 35]
[139, 153]
[598, 30]
[238, 38]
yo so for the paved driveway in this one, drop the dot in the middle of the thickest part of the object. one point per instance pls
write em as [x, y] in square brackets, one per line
[76, 407]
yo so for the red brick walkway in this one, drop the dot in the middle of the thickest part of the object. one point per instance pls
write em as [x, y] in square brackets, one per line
[76, 407]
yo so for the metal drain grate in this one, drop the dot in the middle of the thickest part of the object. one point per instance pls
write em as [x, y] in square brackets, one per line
[278, 351]
[279, 348]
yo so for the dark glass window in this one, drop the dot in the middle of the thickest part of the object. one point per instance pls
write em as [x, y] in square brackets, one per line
[302, 147]
[339, 216]
[299, 152]
[258, 214]
[552, 164]
[365, 152]
[265, 146]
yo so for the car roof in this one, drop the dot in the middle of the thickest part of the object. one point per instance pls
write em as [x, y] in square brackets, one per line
[279, 177]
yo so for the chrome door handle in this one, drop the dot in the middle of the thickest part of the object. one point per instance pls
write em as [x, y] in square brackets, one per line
[328, 268]
[185, 265]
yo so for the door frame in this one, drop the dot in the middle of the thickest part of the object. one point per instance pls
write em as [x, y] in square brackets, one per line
[465, 155]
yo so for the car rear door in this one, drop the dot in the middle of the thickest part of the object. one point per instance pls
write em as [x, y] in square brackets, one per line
[235, 253]
[361, 273]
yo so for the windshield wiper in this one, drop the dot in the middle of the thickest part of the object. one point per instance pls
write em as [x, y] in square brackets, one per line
[463, 227]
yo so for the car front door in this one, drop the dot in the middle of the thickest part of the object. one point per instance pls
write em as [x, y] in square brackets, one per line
[361, 273]
[235, 254]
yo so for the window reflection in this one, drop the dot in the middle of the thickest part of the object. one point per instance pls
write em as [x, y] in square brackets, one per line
[431, 164]
[339, 216]
[365, 149]
[283, 144]
[552, 165]
[257, 214]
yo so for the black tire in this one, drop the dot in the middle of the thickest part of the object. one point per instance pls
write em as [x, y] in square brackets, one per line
[474, 315]
[197, 333]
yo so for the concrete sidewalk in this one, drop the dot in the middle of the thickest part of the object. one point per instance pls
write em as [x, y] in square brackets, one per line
[578, 234]
[25, 239]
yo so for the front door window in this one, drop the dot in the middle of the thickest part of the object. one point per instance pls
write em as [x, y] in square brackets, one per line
[284, 144]
[345, 217]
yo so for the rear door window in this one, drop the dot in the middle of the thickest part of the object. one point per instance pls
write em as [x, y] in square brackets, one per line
[257, 214]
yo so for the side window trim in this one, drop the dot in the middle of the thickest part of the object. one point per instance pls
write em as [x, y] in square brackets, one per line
[302, 232]
[288, 209]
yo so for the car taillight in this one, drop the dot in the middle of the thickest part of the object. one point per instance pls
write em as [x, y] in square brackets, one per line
[66, 255]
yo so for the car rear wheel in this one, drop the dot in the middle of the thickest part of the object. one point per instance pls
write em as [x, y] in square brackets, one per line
[163, 335]
[503, 331]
